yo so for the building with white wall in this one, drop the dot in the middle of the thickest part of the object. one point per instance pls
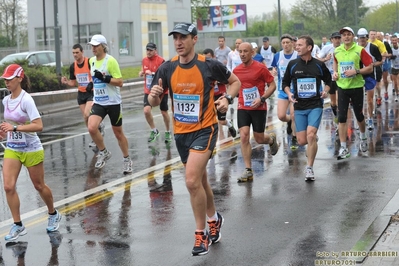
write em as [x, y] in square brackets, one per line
[128, 25]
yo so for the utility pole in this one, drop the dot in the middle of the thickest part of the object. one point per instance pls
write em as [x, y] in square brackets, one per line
[77, 14]
[57, 40]
[44, 24]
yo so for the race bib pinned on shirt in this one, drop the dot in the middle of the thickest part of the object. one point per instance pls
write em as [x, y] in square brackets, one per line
[306, 87]
[249, 95]
[16, 139]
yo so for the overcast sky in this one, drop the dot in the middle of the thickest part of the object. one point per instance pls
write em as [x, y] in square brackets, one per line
[257, 7]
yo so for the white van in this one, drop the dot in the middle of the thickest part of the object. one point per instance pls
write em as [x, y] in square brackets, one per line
[45, 58]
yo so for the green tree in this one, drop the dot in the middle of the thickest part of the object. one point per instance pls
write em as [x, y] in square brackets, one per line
[324, 16]
[266, 25]
[383, 18]
[199, 9]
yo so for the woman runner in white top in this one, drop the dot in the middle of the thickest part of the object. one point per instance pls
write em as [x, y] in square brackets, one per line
[23, 147]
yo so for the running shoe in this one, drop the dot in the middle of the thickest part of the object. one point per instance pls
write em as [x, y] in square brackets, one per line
[201, 244]
[396, 99]
[370, 124]
[343, 153]
[294, 143]
[364, 146]
[168, 137]
[309, 174]
[127, 166]
[273, 147]
[54, 222]
[101, 127]
[102, 157]
[153, 136]
[233, 131]
[15, 232]
[246, 176]
[214, 229]
[378, 102]
[289, 127]
[386, 97]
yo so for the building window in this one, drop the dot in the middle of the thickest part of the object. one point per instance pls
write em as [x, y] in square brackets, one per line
[154, 35]
[125, 38]
[86, 31]
[39, 35]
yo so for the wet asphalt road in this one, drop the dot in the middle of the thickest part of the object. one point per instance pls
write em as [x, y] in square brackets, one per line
[146, 219]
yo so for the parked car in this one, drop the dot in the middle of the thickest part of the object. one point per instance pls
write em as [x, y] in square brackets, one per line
[45, 58]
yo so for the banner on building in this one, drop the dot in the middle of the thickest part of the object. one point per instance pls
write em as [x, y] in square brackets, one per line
[225, 18]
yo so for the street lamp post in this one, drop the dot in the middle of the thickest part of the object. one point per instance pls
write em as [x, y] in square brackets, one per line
[77, 14]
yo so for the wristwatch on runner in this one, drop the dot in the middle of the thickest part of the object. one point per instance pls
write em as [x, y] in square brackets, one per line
[229, 98]
[262, 99]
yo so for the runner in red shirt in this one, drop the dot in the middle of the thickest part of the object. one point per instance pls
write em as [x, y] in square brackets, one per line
[252, 109]
[149, 66]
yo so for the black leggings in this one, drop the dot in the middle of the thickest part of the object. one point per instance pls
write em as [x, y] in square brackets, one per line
[356, 96]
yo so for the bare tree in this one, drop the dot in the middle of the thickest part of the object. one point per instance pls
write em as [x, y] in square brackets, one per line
[12, 19]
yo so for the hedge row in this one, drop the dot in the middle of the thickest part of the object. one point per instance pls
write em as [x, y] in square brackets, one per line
[42, 78]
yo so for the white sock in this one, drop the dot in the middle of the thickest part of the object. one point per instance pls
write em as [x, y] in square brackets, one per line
[214, 217]
[155, 130]
[343, 144]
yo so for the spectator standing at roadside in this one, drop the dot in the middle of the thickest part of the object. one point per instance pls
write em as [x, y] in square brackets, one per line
[150, 64]
[23, 147]
[79, 75]
[107, 81]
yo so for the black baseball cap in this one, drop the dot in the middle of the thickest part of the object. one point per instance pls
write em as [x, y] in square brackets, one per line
[265, 39]
[151, 46]
[336, 34]
[184, 28]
